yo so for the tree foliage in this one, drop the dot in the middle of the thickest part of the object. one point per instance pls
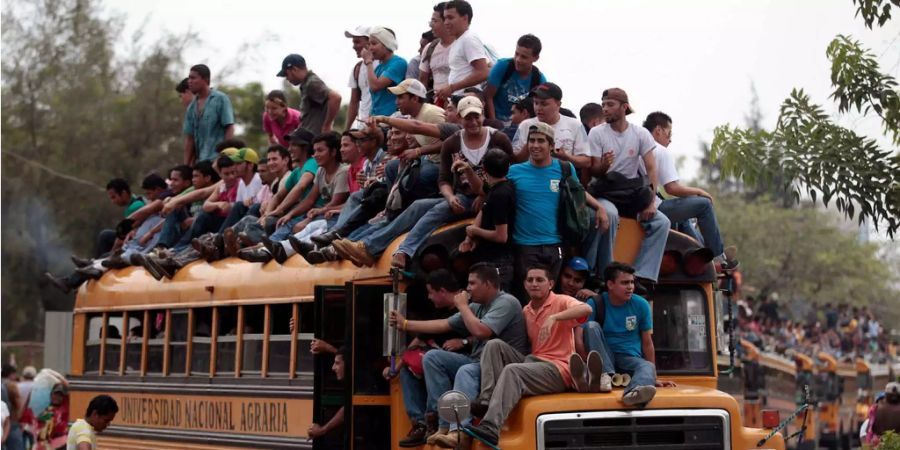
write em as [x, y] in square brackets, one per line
[74, 116]
[807, 151]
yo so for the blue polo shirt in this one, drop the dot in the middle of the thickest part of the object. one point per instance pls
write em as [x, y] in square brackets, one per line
[537, 202]
[623, 325]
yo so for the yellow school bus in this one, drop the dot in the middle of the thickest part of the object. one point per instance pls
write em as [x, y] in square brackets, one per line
[208, 359]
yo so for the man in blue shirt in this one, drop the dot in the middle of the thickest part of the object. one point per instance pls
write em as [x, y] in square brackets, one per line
[209, 118]
[391, 70]
[513, 78]
[536, 181]
[623, 342]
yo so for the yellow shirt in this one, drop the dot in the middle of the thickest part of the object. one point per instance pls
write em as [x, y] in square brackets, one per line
[79, 432]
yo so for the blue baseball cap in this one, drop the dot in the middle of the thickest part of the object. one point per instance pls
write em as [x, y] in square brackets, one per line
[578, 264]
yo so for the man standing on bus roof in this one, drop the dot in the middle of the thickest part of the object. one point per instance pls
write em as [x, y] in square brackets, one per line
[83, 433]
[492, 314]
[507, 374]
[319, 104]
[624, 341]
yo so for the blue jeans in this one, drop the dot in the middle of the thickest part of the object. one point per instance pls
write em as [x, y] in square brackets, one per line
[171, 231]
[383, 233]
[441, 367]
[349, 208]
[133, 246]
[204, 223]
[598, 247]
[682, 209]
[438, 215]
[468, 381]
[281, 233]
[643, 372]
[414, 395]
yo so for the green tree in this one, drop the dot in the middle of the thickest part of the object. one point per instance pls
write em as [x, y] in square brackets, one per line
[74, 115]
[807, 151]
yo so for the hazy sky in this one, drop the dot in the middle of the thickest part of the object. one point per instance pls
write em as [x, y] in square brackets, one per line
[692, 59]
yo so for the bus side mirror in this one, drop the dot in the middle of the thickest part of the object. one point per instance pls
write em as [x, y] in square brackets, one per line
[453, 407]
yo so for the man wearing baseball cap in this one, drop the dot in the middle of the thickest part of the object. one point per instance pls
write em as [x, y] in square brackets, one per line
[625, 182]
[360, 97]
[390, 72]
[570, 141]
[319, 105]
[887, 416]
[460, 182]
[537, 240]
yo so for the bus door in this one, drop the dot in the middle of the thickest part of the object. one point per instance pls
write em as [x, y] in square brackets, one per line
[368, 408]
[329, 394]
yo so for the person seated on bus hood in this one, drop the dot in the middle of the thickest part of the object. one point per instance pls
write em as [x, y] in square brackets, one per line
[491, 314]
[622, 343]
[508, 374]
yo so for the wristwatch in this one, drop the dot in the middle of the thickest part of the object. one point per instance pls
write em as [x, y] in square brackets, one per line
[465, 342]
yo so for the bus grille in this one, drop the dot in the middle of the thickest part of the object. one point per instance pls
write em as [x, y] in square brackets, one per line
[651, 430]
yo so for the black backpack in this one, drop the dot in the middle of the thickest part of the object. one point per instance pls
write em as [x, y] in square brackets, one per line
[574, 214]
[511, 67]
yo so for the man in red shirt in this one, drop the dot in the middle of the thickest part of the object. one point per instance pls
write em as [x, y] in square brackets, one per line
[507, 375]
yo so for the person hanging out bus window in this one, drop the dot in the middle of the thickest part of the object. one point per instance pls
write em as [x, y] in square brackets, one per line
[315, 430]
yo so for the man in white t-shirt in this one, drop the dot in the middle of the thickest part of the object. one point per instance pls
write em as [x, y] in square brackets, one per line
[689, 202]
[622, 155]
[570, 139]
[434, 65]
[360, 97]
[469, 61]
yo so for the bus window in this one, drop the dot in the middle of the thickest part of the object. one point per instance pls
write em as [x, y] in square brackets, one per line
[252, 340]
[178, 336]
[226, 340]
[201, 341]
[92, 344]
[113, 343]
[134, 343]
[280, 339]
[681, 330]
[156, 342]
[304, 338]
[368, 362]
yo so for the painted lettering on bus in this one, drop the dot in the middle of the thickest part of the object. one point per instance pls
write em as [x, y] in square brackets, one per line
[202, 414]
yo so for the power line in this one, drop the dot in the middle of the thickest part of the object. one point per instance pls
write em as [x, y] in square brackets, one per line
[54, 172]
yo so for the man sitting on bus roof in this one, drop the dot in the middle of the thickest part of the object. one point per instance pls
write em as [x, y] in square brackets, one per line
[492, 314]
[621, 339]
[508, 374]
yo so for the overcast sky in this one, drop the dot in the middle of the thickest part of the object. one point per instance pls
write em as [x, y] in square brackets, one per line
[692, 59]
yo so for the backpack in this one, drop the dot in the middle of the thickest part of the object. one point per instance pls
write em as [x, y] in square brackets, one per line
[574, 218]
[511, 67]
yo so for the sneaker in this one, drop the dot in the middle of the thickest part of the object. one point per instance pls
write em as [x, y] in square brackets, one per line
[453, 439]
[605, 382]
[275, 249]
[324, 254]
[81, 262]
[595, 373]
[415, 437]
[643, 286]
[356, 252]
[90, 272]
[325, 239]
[639, 396]
[303, 248]
[484, 434]
[255, 254]
[58, 282]
[576, 368]
[399, 260]
[626, 380]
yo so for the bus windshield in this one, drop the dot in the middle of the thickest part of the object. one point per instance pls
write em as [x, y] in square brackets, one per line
[681, 334]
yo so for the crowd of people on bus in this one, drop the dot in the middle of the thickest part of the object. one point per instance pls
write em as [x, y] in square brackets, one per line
[455, 133]
[843, 331]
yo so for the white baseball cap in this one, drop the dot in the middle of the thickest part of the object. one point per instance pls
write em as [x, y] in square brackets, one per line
[360, 31]
[410, 86]
[470, 104]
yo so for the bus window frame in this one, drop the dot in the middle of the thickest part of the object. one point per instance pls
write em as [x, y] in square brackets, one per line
[679, 288]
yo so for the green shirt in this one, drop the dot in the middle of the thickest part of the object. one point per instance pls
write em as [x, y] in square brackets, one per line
[136, 204]
[310, 167]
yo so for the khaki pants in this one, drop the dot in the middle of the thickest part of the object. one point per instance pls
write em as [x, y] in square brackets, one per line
[507, 375]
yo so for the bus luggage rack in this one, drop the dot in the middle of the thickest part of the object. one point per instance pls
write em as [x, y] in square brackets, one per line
[654, 429]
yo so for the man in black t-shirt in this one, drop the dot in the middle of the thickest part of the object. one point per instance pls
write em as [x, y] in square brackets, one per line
[490, 233]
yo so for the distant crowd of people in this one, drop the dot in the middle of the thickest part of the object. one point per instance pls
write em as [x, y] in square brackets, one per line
[843, 331]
